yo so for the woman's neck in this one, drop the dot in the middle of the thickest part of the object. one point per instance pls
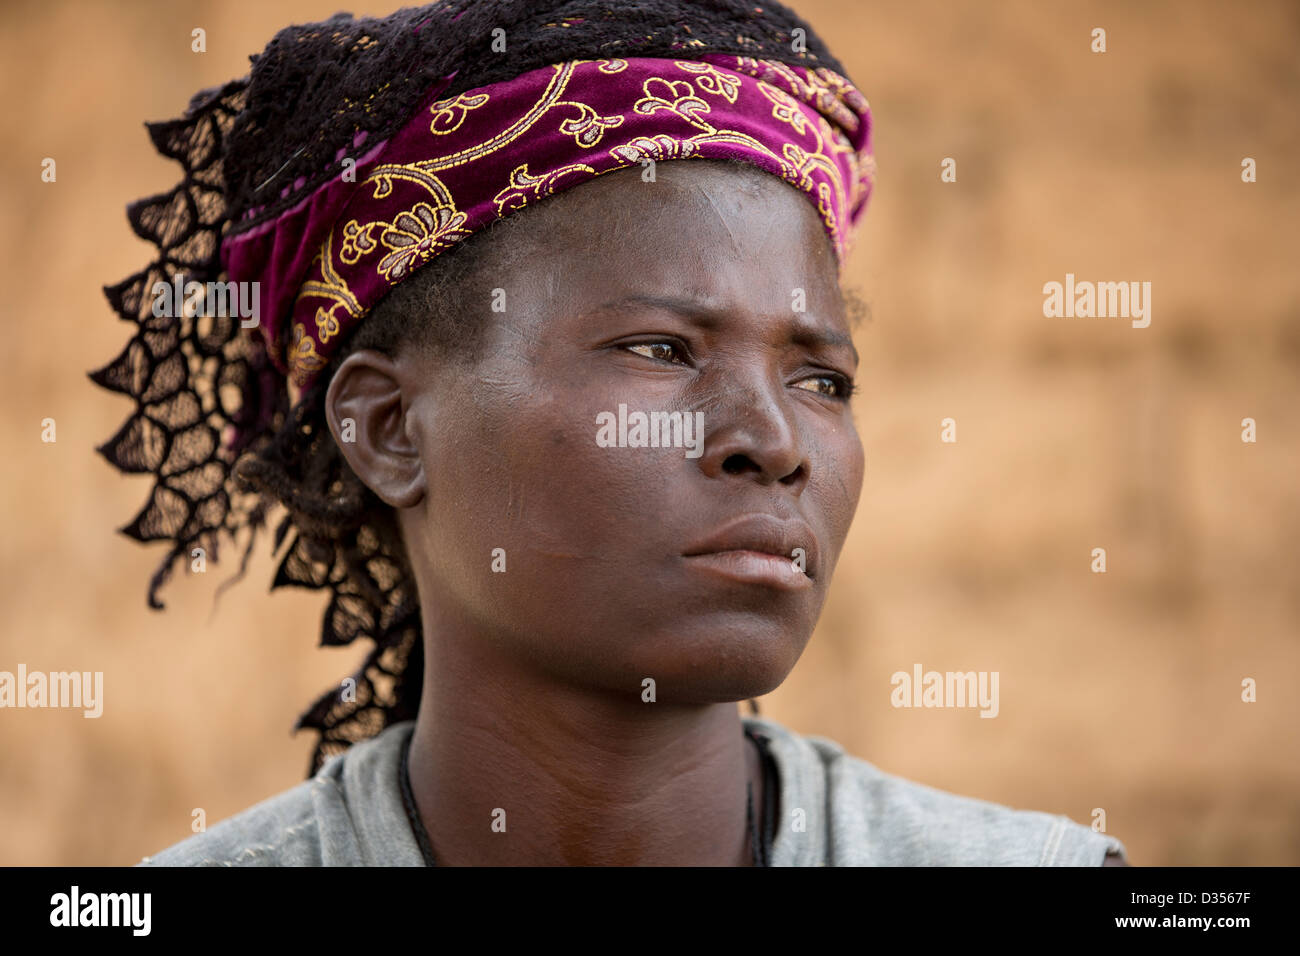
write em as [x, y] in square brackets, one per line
[510, 768]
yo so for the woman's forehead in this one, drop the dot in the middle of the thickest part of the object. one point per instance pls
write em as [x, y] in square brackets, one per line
[713, 230]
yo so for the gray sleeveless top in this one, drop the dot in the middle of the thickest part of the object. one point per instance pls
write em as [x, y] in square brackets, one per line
[835, 810]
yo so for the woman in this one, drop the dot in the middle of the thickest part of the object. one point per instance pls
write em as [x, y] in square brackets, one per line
[551, 372]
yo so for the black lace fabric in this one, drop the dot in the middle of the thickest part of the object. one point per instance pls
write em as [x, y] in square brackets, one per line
[207, 398]
[192, 379]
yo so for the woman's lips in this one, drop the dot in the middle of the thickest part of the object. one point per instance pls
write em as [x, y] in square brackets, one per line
[758, 549]
[752, 567]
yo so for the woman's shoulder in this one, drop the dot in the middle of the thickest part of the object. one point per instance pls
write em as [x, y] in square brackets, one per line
[855, 814]
[282, 830]
[312, 823]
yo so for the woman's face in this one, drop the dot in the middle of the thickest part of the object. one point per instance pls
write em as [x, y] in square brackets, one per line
[711, 292]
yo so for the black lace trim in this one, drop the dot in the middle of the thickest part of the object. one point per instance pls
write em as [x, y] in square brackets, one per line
[192, 379]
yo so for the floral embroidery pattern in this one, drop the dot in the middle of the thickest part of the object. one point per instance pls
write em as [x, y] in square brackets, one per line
[784, 107]
[356, 242]
[658, 148]
[711, 80]
[327, 325]
[589, 127]
[524, 186]
[416, 235]
[449, 114]
[684, 102]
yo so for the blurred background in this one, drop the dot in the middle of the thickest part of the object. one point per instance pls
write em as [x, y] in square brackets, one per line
[1119, 691]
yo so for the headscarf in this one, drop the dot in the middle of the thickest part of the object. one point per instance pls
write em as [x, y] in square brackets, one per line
[354, 154]
[462, 161]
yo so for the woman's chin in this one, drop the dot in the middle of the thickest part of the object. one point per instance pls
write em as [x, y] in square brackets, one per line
[718, 667]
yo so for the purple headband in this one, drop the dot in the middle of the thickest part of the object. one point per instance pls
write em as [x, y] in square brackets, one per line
[461, 162]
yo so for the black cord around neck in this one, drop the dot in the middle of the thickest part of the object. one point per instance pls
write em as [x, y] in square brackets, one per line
[771, 792]
[412, 812]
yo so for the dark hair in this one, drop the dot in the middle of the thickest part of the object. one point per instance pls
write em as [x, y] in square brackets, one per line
[196, 381]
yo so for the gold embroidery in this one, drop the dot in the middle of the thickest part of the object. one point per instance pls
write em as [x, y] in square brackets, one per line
[678, 97]
[827, 92]
[684, 102]
[711, 81]
[357, 242]
[523, 185]
[827, 209]
[844, 90]
[449, 114]
[784, 107]
[658, 148]
[795, 84]
[417, 235]
[331, 285]
[383, 177]
[554, 89]
[303, 357]
[805, 163]
[588, 129]
[327, 326]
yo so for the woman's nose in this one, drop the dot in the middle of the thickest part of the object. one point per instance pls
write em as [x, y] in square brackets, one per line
[750, 431]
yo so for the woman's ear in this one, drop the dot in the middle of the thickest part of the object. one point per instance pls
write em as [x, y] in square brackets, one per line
[363, 406]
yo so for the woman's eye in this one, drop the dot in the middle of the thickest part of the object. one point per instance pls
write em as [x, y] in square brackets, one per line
[832, 386]
[665, 351]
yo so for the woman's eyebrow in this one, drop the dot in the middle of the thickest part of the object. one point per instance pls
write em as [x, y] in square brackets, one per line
[709, 317]
[824, 338]
[705, 316]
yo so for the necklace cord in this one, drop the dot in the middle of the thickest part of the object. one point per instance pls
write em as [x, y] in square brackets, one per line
[412, 812]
